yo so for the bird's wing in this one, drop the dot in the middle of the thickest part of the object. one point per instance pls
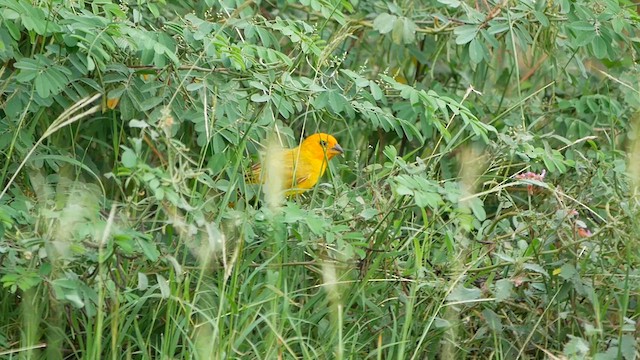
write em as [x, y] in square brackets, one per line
[301, 179]
[285, 166]
[254, 175]
[298, 171]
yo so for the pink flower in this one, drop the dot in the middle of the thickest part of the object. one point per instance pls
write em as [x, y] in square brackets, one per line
[532, 176]
[584, 232]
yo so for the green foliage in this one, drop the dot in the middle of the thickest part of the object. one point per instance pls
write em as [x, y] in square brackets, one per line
[485, 205]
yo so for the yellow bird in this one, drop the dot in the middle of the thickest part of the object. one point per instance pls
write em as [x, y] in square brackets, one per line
[300, 168]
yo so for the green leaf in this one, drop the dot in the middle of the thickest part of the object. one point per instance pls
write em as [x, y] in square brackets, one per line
[503, 289]
[337, 101]
[150, 103]
[321, 101]
[282, 104]
[599, 47]
[498, 27]
[75, 299]
[397, 32]
[569, 272]
[70, 290]
[293, 213]
[493, 320]
[618, 24]
[384, 23]
[463, 294]
[477, 207]
[409, 31]
[376, 91]
[451, 3]
[390, 152]
[124, 242]
[163, 284]
[317, 225]
[476, 51]
[42, 86]
[149, 249]
[33, 18]
[360, 81]
[586, 26]
[610, 354]
[91, 65]
[576, 347]
[129, 158]
[368, 213]
[628, 345]
[584, 37]
[30, 69]
[542, 18]
[22, 278]
[143, 281]
[424, 191]
[404, 31]
[465, 33]
[536, 268]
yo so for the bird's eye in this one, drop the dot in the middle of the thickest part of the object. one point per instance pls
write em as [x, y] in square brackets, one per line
[323, 143]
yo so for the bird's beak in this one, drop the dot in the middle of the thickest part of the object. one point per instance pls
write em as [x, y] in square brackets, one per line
[337, 149]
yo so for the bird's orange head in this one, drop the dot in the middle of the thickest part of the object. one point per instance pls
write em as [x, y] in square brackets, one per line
[320, 144]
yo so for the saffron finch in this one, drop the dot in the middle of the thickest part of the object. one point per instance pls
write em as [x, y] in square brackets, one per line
[300, 168]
